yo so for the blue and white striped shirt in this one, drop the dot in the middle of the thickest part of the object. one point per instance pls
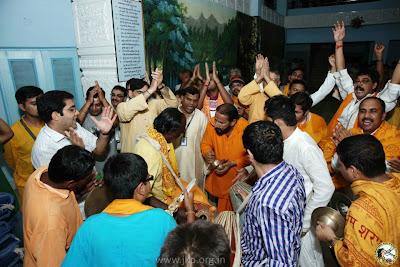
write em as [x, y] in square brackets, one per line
[274, 218]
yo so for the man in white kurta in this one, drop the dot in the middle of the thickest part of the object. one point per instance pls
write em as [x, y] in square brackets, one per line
[301, 151]
[187, 147]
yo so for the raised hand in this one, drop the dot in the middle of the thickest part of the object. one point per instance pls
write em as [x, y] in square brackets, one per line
[215, 73]
[146, 78]
[339, 32]
[266, 70]
[91, 95]
[340, 133]
[158, 76]
[379, 48]
[74, 138]
[107, 120]
[208, 79]
[259, 63]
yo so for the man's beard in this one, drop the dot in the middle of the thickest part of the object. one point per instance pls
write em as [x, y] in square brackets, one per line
[222, 131]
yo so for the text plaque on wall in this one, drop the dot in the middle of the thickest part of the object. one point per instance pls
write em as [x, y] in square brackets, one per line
[129, 39]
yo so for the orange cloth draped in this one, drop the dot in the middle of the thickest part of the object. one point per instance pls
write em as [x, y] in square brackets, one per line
[168, 181]
[126, 206]
[286, 89]
[334, 121]
[225, 148]
[393, 116]
[387, 134]
[238, 104]
[206, 105]
[372, 219]
[315, 127]
[198, 194]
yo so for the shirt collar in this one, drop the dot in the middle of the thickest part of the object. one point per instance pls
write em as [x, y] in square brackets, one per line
[271, 173]
[63, 193]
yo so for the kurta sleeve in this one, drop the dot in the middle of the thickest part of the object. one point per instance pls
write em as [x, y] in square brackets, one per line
[50, 247]
[246, 94]
[161, 104]
[206, 144]
[127, 110]
[10, 153]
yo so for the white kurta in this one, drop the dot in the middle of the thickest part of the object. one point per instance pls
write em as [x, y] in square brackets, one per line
[301, 151]
[190, 160]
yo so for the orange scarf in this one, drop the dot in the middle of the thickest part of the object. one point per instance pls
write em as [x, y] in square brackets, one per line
[168, 180]
[126, 206]
[334, 121]
[206, 105]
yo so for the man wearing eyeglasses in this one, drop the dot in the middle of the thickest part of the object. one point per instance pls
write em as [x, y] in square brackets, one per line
[118, 95]
[57, 109]
[94, 106]
[365, 85]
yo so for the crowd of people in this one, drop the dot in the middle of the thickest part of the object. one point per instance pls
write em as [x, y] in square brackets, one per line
[151, 143]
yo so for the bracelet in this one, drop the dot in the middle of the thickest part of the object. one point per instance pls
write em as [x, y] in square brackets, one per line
[339, 46]
[206, 85]
[162, 87]
[218, 83]
[105, 133]
[190, 212]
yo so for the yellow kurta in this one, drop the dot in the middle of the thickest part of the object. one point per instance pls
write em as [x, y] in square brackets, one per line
[137, 115]
[250, 95]
[225, 148]
[238, 104]
[387, 134]
[316, 127]
[371, 220]
[17, 154]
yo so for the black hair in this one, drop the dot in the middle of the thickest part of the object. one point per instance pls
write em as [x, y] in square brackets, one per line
[298, 82]
[180, 92]
[52, 101]
[371, 72]
[276, 71]
[70, 163]
[136, 84]
[187, 71]
[280, 107]
[123, 173]
[96, 95]
[364, 152]
[190, 90]
[264, 140]
[293, 70]
[383, 105]
[199, 244]
[121, 88]
[169, 120]
[302, 99]
[25, 92]
[228, 110]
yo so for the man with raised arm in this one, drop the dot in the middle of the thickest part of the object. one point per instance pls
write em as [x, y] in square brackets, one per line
[57, 109]
[138, 114]
[213, 93]
[365, 85]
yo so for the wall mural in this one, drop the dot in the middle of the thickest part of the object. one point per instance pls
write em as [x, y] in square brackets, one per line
[182, 33]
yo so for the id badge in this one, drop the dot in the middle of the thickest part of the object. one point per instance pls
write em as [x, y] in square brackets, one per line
[183, 141]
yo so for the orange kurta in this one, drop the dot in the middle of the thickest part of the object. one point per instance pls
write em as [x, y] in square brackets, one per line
[372, 219]
[334, 121]
[315, 127]
[286, 89]
[206, 105]
[225, 148]
[387, 134]
[238, 104]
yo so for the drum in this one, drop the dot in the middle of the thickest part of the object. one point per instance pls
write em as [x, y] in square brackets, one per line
[97, 200]
[236, 198]
[202, 212]
[227, 219]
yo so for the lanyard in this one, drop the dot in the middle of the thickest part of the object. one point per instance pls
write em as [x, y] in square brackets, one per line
[190, 121]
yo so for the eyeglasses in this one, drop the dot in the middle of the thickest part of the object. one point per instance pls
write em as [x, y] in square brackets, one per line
[119, 96]
[72, 109]
[363, 81]
[151, 178]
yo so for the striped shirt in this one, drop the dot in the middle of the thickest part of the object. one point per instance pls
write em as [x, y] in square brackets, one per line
[274, 218]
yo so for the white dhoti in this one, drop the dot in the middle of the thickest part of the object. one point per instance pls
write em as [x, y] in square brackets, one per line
[310, 252]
